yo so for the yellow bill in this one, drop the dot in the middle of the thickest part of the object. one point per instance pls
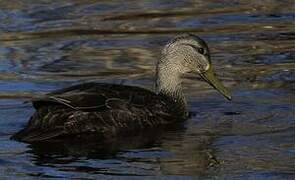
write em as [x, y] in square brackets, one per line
[211, 79]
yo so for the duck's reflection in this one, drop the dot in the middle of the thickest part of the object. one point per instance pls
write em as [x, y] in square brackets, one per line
[92, 147]
[173, 150]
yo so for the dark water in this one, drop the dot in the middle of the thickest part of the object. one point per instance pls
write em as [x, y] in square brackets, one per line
[46, 45]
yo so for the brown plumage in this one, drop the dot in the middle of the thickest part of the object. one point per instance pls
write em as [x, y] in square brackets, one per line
[108, 110]
[105, 109]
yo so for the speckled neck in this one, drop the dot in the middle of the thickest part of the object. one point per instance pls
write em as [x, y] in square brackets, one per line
[168, 83]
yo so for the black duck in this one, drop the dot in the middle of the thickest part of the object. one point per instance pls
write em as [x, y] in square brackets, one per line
[107, 110]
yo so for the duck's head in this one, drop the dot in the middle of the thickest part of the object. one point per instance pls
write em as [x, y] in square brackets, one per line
[187, 54]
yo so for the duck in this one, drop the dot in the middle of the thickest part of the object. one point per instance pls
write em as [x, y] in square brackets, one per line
[111, 110]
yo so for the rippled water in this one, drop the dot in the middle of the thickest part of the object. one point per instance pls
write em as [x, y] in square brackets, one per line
[46, 45]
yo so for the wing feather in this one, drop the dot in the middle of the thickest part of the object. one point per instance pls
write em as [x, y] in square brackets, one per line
[103, 109]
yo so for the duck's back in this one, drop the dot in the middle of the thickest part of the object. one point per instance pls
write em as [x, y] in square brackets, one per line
[97, 108]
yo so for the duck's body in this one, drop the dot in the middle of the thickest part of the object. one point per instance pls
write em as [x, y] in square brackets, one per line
[104, 109]
[108, 110]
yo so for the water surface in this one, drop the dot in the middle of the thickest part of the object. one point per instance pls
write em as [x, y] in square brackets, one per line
[46, 45]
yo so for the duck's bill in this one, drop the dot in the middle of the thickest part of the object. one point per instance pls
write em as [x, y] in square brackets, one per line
[211, 79]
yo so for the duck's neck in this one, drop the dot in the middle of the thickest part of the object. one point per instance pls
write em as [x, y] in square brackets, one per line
[168, 83]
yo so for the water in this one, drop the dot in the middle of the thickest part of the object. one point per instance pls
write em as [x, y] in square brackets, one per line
[46, 45]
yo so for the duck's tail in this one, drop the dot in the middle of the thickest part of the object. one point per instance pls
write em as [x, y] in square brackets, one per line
[46, 123]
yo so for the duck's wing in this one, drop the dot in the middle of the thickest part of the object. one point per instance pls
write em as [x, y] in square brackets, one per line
[96, 96]
[94, 108]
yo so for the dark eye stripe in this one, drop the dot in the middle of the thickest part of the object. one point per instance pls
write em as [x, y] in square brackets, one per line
[199, 49]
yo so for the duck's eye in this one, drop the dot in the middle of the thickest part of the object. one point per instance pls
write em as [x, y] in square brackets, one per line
[201, 50]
